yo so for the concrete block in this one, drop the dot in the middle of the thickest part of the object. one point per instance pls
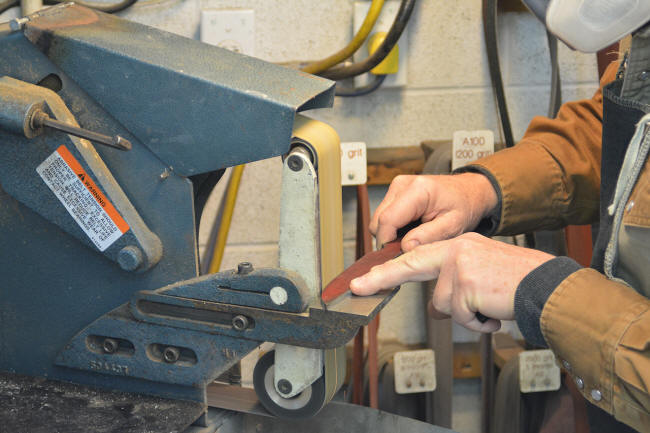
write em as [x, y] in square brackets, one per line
[446, 46]
[525, 58]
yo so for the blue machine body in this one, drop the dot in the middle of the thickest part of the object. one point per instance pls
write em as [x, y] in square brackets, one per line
[188, 108]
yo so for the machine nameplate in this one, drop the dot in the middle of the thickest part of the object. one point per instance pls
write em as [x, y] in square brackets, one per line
[110, 367]
[81, 197]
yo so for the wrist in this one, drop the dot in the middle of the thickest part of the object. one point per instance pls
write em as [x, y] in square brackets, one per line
[481, 195]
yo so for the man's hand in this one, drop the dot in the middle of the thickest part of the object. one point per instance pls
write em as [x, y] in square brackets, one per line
[475, 274]
[447, 205]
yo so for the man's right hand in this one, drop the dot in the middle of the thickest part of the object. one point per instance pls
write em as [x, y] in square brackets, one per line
[447, 206]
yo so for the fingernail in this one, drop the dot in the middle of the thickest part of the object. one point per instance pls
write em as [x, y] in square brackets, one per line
[412, 244]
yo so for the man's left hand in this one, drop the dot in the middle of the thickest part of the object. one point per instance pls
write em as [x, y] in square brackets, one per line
[475, 274]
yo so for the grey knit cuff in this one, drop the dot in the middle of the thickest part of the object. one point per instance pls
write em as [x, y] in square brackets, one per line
[533, 292]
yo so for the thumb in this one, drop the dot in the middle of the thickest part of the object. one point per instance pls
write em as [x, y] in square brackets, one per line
[443, 227]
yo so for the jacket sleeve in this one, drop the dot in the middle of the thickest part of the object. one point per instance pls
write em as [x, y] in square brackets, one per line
[600, 329]
[551, 178]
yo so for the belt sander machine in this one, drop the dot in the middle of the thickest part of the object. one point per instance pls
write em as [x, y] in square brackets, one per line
[112, 134]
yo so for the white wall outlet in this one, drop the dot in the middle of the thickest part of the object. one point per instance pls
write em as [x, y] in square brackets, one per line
[383, 24]
[233, 29]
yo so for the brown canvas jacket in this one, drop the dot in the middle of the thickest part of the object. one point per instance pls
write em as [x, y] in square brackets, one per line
[598, 327]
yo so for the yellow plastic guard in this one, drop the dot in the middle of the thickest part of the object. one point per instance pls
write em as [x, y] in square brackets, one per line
[325, 141]
[390, 65]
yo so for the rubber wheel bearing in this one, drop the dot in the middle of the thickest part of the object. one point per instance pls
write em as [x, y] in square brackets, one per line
[313, 405]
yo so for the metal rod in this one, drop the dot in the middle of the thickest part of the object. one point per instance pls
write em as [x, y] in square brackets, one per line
[41, 119]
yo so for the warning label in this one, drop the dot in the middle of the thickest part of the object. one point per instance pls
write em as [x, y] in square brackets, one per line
[82, 198]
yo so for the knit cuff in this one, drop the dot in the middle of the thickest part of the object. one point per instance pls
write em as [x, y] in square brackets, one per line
[533, 292]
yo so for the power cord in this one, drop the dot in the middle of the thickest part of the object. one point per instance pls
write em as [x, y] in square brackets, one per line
[349, 92]
[396, 30]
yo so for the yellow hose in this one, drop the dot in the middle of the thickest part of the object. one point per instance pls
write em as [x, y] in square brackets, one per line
[353, 46]
[226, 218]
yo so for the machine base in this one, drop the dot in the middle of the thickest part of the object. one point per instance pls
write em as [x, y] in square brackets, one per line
[37, 405]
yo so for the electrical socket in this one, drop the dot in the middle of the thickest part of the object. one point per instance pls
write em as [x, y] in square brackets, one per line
[383, 24]
[233, 29]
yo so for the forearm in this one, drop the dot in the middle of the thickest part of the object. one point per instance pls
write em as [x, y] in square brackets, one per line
[552, 177]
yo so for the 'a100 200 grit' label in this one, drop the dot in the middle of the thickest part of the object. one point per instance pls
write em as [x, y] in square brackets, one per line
[81, 197]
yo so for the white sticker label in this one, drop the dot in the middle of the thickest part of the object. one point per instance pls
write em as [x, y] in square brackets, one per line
[84, 201]
[354, 163]
[538, 371]
[469, 146]
[415, 371]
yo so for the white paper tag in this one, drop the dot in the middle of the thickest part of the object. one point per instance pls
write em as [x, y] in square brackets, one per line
[538, 371]
[415, 371]
[81, 197]
[469, 146]
[354, 163]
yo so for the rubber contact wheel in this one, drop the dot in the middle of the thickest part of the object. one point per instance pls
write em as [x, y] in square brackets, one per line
[303, 405]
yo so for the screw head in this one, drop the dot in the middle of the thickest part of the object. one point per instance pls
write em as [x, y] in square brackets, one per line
[110, 345]
[284, 386]
[171, 354]
[129, 258]
[294, 162]
[240, 322]
[244, 268]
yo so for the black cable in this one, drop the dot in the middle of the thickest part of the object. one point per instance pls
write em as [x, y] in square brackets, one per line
[490, 31]
[8, 4]
[491, 46]
[556, 83]
[109, 8]
[402, 18]
[349, 92]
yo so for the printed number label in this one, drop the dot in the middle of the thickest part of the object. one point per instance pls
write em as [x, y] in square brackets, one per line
[415, 371]
[469, 146]
[354, 165]
[538, 371]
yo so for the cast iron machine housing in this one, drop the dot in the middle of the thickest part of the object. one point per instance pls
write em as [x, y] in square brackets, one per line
[83, 303]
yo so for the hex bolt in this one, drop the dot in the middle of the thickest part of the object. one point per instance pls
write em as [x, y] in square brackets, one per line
[294, 162]
[171, 354]
[244, 268]
[240, 322]
[284, 386]
[130, 258]
[110, 345]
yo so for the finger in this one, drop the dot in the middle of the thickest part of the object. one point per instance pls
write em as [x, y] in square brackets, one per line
[464, 309]
[420, 264]
[492, 325]
[431, 309]
[407, 207]
[443, 291]
[395, 188]
[442, 227]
